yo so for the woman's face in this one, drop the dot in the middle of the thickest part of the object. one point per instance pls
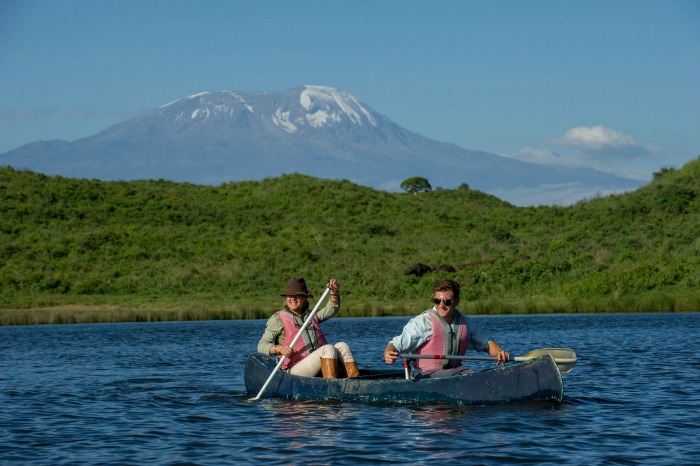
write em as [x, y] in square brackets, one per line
[295, 303]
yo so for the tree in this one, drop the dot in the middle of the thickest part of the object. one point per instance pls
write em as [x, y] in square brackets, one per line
[415, 185]
[663, 171]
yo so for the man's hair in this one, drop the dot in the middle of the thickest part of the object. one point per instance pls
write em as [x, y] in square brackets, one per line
[447, 285]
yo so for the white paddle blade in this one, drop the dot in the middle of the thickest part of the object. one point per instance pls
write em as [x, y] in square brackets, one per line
[565, 358]
[560, 355]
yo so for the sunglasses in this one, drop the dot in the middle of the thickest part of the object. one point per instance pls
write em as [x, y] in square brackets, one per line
[448, 302]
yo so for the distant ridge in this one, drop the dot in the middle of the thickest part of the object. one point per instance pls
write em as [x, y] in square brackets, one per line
[216, 137]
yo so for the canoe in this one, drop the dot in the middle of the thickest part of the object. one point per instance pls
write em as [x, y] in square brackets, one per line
[538, 379]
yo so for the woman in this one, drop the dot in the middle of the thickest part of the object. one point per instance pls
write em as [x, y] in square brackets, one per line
[311, 353]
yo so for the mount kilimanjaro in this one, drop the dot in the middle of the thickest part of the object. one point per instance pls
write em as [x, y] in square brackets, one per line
[216, 137]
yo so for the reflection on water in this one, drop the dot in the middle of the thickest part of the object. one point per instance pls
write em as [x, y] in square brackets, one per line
[292, 420]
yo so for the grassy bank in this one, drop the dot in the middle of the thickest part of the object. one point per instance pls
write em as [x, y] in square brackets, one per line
[182, 310]
[90, 251]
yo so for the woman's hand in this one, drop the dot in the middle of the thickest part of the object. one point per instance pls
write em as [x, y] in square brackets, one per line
[333, 285]
[282, 350]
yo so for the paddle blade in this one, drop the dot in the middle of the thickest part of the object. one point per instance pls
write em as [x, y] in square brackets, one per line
[564, 357]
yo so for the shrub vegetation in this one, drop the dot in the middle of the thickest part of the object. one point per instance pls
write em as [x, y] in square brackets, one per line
[77, 250]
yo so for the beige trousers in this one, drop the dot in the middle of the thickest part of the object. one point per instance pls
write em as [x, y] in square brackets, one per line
[310, 366]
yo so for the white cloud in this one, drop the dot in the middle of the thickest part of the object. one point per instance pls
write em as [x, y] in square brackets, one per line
[598, 144]
[553, 194]
[545, 157]
[599, 148]
[594, 138]
[81, 114]
[28, 115]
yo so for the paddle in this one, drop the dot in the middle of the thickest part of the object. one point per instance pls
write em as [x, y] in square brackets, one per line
[564, 357]
[299, 333]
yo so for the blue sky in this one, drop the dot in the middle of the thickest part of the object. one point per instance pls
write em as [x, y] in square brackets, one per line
[608, 84]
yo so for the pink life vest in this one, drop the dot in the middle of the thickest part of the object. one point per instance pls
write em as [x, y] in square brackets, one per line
[438, 344]
[308, 342]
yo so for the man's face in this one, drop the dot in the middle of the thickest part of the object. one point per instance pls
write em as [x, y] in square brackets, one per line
[441, 300]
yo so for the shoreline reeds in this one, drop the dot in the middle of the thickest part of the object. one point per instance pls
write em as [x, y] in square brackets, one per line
[170, 312]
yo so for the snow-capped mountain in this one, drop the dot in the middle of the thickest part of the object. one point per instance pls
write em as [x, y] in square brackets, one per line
[216, 137]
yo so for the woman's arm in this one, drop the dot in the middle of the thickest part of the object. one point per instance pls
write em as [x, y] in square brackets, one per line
[333, 305]
[274, 332]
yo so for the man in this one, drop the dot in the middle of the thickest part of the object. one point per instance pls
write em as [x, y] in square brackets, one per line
[442, 330]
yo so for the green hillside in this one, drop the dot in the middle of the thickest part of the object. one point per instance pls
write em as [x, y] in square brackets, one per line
[87, 250]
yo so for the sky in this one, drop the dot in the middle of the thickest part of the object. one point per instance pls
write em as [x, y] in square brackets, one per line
[606, 84]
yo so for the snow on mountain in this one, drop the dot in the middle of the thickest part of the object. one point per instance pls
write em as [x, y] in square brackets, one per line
[321, 103]
[319, 106]
[216, 137]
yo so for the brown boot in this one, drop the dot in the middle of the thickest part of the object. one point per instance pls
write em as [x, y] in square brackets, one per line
[329, 368]
[351, 369]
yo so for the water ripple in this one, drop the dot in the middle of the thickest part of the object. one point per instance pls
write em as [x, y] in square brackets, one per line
[172, 393]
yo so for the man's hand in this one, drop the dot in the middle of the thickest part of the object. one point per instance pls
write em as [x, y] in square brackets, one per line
[391, 354]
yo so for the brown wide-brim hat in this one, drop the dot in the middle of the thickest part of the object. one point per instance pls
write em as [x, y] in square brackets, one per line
[296, 286]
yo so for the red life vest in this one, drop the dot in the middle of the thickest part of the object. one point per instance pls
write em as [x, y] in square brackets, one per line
[309, 341]
[438, 344]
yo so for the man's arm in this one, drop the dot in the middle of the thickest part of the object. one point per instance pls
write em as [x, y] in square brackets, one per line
[496, 351]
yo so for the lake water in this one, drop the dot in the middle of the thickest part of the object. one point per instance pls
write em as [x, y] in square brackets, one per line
[173, 393]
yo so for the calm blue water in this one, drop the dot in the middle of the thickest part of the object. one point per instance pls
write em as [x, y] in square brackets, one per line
[173, 393]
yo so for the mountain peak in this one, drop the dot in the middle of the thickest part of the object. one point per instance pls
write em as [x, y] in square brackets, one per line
[216, 137]
[324, 104]
[309, 106]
